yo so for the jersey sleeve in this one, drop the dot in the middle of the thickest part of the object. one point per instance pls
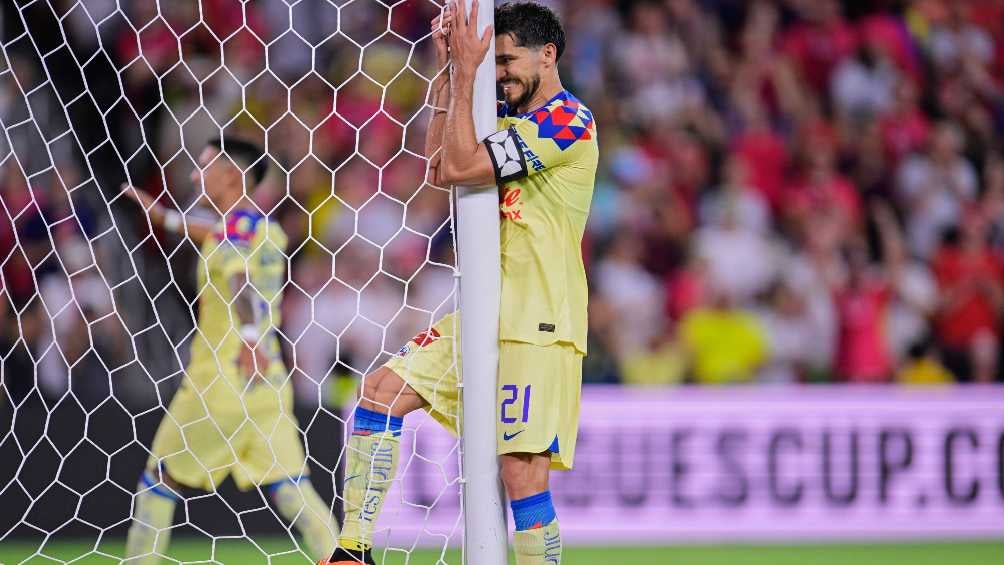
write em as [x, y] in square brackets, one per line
[545, 140]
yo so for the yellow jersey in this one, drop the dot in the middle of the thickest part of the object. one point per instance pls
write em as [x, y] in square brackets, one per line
[545, 165]
[726, 346]
[249, 245]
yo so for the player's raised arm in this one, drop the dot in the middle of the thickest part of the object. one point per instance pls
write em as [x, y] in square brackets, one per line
[464, 159]
[169, 219]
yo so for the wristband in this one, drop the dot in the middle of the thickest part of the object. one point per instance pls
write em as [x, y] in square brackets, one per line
[250, 333]
[172, 221]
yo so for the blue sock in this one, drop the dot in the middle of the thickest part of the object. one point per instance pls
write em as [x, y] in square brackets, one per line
[158, 488]
[368, 422]
[533, 512]
[274, 487]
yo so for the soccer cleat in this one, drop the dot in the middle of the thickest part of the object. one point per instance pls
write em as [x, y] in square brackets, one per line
[343, 556]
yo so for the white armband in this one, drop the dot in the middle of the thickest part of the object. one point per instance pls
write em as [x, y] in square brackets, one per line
[250, 333]
[173, 221]
[508, 160]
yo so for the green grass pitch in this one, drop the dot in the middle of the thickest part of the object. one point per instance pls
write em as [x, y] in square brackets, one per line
[280, 552]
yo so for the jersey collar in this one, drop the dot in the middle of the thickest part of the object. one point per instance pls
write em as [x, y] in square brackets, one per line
[506, 112]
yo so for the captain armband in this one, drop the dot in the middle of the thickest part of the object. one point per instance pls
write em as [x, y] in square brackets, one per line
[507, 157]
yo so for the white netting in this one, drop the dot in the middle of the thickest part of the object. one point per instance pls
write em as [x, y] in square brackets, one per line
[99, 310]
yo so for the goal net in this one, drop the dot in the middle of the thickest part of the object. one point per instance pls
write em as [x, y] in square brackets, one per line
[99, 306]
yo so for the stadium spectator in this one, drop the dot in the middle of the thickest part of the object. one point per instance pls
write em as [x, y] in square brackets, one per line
[923, 366]
[904, 127]
[792, 335]
[819, 42]
[634, 294]
[862, 301]
[862, 85]
[935, 187]
[969, 280]
[725, 344]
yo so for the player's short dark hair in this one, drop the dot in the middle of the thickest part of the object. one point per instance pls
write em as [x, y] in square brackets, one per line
[530, 24]
[245, 154]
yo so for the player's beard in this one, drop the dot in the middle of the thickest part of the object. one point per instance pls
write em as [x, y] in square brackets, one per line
[529, 91]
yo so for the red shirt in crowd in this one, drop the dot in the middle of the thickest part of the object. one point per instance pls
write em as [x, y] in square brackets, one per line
[836, 192]
[890, 33]
[904, 133]
[968, 308]
[862, 350]
[766, 158]
[817, 49]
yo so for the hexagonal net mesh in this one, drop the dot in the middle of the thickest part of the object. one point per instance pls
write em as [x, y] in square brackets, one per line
[102, 305]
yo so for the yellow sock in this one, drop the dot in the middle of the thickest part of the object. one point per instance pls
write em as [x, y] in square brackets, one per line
[539, 546]
[369, 472]
[153, 515]
[299, 503]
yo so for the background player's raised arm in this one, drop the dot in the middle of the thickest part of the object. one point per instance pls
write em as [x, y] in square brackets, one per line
[197, 229]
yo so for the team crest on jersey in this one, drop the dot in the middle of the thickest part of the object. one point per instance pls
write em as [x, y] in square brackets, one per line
[240, 227]
[564, 121]
[425, 337]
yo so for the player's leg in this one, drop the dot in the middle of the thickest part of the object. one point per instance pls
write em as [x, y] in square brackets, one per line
[422, 375]
[300, 505]
[539, 392]
[371, 459]
[537, 540]
[190, 448]
[272, 455]
[152, 517]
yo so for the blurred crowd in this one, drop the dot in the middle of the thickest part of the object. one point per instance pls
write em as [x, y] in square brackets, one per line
[789, 190]
[795, 191]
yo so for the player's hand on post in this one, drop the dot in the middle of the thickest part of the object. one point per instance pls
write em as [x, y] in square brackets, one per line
[467, 50]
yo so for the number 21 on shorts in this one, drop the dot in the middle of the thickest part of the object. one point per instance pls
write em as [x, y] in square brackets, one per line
[510, 394]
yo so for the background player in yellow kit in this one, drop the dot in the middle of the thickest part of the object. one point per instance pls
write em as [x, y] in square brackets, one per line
[544, 160]
[232, 414]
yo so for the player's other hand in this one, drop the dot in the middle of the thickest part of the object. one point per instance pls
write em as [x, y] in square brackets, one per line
[440, 30]
[252, 363]
[467, 50]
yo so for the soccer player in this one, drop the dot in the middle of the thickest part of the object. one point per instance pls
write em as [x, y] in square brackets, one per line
[232, 414]
[543, 159]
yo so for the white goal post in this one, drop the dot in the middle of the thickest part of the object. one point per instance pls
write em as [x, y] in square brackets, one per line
[99, 305]
[485, 531]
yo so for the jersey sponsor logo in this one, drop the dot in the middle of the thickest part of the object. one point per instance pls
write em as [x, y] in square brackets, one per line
[506, 436]
[511, 207]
